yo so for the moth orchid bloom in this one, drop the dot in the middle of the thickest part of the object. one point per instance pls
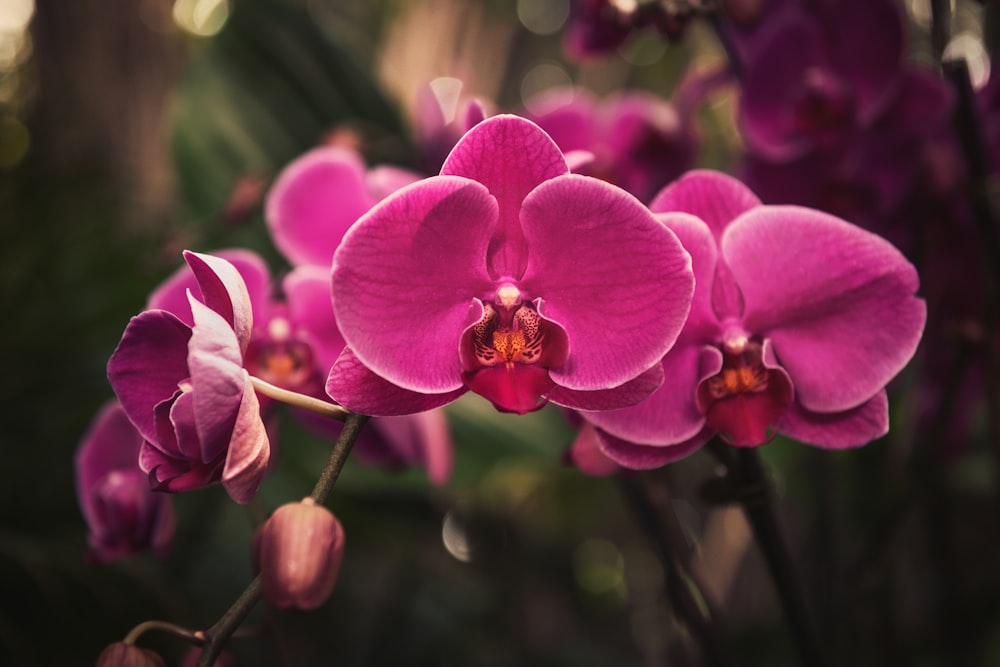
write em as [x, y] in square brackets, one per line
[637, 141]
[184, 388]
[799, 321]
[817, 78]
[124, 516]
[293, 344]
[319, 195]
[508, 276]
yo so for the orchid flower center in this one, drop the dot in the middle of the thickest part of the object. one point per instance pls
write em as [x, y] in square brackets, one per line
[507, 353]
[745, 398]
[506, 335]
[281, 359]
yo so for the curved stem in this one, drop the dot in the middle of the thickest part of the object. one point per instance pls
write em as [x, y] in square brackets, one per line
[325, 408]
[217, 636]
[195, 638]
[747, 472]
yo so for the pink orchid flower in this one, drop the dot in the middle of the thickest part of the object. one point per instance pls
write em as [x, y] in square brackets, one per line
[184, 388]
[510, 277]
[799, 321]
[293, 344]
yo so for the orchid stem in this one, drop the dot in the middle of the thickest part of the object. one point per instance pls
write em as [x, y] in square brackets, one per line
[747, 472]
[348, 436]
[165, 626]
[217, 636]
[658, 518]
[325, 408]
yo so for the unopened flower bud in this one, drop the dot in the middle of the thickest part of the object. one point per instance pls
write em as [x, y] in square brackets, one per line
[299, 550]
[121, 654]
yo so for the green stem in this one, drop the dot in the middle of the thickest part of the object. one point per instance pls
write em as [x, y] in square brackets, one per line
[195, 638]
[217, 636]
[348, 436]
[325, 408]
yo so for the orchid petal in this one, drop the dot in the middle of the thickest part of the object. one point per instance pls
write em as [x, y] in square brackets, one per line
[223, 290]
[217, 378]
[714, 197]
[148, 364]
[310, 308]
[354, 386]
[669, 415]
[511, 156]
[420, 440]
[630, 393]
[838, 302]
[839, 430]
[171, 295]
[696, 237]
[583, 233]
[514, 388]
[314, 201]
[646, 457]
[249, 449]
[587, 455]
[383, 180]
[405, 276]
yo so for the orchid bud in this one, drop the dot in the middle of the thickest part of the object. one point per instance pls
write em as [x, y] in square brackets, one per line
[299, 550]
[121, 654]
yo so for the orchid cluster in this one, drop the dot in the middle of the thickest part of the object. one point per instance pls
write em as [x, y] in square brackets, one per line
[569, 255]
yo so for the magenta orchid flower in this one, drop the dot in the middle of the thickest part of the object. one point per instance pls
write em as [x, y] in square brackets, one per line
[799, 321]
[293, 344]
[636, 140]
[507, 276]
[124, 516]
[184, 388]
[319, 195]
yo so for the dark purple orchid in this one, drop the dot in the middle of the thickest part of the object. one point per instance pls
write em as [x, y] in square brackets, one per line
[638, 141]
[508, 276]
[595, 27]
[902, 170]
[184, 387]
[124, 516]
[799, 321]
[817, 77]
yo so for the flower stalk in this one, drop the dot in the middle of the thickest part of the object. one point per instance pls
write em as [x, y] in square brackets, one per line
[320, 407]
[747, 476]
[217, 636]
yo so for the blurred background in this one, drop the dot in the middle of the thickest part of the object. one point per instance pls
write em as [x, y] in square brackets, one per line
[133, 129]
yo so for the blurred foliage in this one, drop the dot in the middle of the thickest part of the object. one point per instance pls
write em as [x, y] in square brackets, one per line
[553, 570]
